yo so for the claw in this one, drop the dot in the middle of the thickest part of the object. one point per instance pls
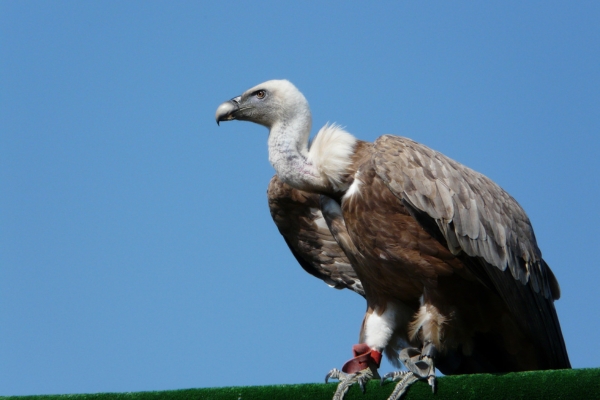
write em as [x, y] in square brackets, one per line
[431, 380]
[361, 383]
[334, 374]
[383, 378]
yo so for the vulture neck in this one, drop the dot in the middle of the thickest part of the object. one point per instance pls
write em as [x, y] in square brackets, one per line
[288, 153]
[324, 168]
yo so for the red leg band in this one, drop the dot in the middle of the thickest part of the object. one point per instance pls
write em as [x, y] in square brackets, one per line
[364, 357]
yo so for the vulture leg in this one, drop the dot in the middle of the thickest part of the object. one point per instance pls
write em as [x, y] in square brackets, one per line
[348, 379]
[360, 369]
[420, 365]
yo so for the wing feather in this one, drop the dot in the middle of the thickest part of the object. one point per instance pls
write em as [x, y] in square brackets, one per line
[479, 220]
[475, 215]
[300, 221]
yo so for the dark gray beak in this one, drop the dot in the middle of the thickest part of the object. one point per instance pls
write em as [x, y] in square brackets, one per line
[227, 110]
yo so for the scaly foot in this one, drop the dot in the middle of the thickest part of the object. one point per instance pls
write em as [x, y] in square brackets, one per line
[420, 365]
[347, 380]
[404, 379]
[360, 369]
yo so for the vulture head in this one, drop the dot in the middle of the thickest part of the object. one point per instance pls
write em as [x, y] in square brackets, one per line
[268, 104]
[280, 107]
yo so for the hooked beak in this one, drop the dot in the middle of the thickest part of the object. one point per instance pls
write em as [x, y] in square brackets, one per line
[227, 110]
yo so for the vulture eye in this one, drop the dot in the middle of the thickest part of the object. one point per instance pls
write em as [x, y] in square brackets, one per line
[261, 94]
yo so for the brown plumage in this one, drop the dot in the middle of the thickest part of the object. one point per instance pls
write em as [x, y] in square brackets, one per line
[496, 309]
[446, 259]
[300, 221]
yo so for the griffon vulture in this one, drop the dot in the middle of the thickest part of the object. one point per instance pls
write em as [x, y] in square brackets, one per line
[446, 259]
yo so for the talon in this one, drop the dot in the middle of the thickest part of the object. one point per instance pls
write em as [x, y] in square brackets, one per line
[333, 374]
[431, 381]
[361, 383]
[386, 376]
[382, 380]
[394, 376]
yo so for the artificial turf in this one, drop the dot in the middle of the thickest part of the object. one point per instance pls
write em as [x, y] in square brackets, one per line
[559, 384]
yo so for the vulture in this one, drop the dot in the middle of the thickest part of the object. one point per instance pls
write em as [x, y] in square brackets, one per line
[446, 259]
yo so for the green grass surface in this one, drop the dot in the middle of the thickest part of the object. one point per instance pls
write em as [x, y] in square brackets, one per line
[563, 384]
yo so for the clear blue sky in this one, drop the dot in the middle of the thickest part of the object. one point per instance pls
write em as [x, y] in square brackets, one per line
[136, 247]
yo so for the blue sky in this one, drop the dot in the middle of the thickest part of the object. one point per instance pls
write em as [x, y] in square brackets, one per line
[136, 247]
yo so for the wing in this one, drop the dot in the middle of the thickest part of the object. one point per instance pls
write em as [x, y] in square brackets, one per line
[480, 222]
[473, 213]
[298, 217]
